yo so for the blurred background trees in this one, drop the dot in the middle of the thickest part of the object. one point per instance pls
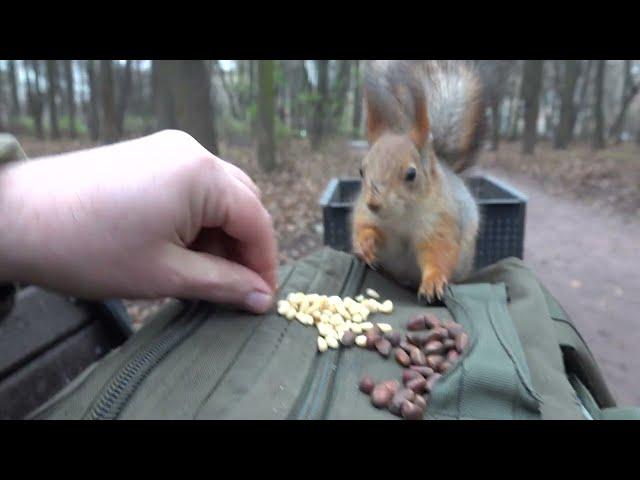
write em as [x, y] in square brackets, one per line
[267, 102]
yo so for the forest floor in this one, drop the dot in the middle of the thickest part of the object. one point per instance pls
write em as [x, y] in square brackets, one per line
[582, 230]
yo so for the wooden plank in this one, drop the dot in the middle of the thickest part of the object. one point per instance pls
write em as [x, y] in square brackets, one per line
[38, 320]
[40, 379]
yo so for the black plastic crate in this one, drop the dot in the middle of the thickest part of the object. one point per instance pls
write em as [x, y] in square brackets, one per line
[502, 217]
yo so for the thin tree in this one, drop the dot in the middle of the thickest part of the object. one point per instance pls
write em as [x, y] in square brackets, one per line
[94, 101]
[567, 105]
[123, 97]
[266, 115]
[34, 96]
[109, 130]
[515, 103]
[2, 102]
[16, 108]
[597, 140]
[137, 88]
[71, 97]
[252, 81]
[318, 125]
[52, 94]
[300, 87]
[531, 84]
[162, 97]
[234, 101]
[630, 89]
[183, 99]
[579, 111]
[244, 95]
[495, 74]
[357, 101]
[341, 89]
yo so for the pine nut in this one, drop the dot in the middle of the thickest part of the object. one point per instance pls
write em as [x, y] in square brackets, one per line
[372, 293]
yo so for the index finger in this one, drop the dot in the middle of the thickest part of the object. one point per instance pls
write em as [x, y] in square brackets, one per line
[233, 207]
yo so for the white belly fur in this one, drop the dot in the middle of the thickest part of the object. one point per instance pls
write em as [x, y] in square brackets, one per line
[398, 259]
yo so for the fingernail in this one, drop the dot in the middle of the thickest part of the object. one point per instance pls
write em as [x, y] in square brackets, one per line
[258, 301]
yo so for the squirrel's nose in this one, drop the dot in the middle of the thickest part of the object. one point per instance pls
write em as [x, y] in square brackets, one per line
[373, 206]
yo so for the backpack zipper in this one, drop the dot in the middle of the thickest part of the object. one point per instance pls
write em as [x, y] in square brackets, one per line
[124, 383]
[315, 404]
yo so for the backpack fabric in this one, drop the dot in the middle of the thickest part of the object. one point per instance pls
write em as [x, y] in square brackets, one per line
[195, 360]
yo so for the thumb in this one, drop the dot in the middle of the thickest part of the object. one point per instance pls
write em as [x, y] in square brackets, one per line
[215, 279]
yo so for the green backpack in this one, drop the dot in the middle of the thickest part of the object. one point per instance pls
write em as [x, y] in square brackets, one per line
[196, 360]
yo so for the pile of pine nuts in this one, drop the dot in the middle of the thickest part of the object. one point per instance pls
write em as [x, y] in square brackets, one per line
[428, 351]
[338, 320]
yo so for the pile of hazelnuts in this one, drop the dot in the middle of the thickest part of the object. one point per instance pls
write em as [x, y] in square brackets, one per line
[427, 352]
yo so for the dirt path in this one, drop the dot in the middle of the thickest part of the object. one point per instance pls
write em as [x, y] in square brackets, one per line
[590, 261]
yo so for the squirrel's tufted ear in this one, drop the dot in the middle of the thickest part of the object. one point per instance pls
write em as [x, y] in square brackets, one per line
[376, 118]
[420, 130]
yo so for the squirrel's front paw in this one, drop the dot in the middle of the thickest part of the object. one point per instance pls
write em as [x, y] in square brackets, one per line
[365, 246]
[432, 286]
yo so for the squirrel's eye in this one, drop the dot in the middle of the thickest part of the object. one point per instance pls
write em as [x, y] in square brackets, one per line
[361, 172]
[411, 174]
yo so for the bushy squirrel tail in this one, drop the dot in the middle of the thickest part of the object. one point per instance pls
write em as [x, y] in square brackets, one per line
[454, 95]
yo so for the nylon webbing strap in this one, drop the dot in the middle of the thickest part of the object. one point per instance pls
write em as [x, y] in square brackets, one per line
[492, 381]
[530, 316]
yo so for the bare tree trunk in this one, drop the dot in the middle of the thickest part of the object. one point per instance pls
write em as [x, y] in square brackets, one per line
[555, 93]
[163, 101]
[252, 81]
[123, 98]
[341, 90]
[567, 106]
[184, 99]
[94, 101]
[52, 93]
[318, 125]
[280, 92]
[629, 92]
[598, 141]
[228, 90]
[357, 101]
[71, 97]
[16, 108]
[2, 103]
[34, 95]
[494, 75]
[582, 102]
[29, 88]
[288, 92]
[137, 88]
[244, 96]
[299, 86]
[109, 131]
[513, 117]
[266, 115]
[531, 83]
[515, 108]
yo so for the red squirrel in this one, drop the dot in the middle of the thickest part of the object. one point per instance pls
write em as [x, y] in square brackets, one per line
[415, 217]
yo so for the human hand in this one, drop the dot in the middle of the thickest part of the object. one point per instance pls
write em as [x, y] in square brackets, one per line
[159, 216]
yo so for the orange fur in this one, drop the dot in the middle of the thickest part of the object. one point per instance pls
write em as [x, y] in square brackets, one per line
[438, 256]
[420, 130]
[367, 238]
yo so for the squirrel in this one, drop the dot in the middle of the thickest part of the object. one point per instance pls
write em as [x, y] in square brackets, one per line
[415, 217]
